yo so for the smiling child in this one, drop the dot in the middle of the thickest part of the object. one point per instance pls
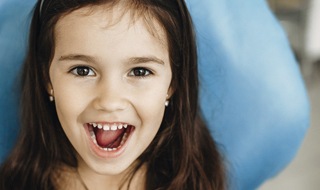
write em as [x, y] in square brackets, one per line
[110, 100]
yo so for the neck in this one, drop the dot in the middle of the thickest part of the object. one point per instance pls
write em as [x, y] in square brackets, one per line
[83, 178]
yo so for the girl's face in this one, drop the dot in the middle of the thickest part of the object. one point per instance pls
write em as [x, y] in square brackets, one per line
[110, 83]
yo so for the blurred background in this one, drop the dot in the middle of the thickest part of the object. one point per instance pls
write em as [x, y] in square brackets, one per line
[301, 21]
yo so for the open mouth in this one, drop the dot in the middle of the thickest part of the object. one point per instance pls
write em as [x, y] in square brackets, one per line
[109, 137]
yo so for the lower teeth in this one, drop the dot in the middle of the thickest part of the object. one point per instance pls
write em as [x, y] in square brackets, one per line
[93, 137]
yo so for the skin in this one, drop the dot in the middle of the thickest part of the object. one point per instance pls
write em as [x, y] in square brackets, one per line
[113, 51]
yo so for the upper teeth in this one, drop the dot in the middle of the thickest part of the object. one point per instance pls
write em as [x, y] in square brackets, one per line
[107, 127]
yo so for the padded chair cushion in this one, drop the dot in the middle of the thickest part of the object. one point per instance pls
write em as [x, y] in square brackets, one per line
[252, 92]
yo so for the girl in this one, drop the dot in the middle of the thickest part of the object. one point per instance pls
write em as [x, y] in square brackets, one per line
[110, 100]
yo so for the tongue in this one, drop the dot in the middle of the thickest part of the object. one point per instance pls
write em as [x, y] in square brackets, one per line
[105, 138]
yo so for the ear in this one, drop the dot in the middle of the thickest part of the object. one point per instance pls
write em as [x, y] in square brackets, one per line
[170, 92]
[49, 88]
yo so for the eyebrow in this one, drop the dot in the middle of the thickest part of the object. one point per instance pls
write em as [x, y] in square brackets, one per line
[133, 60]
[77, 57]
[136, 60]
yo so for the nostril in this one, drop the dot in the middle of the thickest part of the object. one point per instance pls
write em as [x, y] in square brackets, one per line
[110, 93]
[110, 104]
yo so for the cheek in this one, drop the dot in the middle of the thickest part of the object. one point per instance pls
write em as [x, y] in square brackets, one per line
[69, 107]
[150, 106]
[152, 111]
[69, 104]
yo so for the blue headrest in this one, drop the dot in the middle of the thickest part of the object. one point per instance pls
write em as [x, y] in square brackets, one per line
[252, 93]
[14, 24]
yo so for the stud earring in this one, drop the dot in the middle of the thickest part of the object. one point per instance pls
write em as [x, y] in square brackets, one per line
[166, 103]
[51, 98]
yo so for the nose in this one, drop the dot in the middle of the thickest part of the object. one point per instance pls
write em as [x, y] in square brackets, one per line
[110, 96]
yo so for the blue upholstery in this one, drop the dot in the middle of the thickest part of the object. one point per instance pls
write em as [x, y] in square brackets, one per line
[14, 25]
[252, 93]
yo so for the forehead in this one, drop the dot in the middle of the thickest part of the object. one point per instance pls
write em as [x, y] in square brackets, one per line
[105, 17]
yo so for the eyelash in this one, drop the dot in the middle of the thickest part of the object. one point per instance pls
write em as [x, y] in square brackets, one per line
[143, 72]
[87, 71]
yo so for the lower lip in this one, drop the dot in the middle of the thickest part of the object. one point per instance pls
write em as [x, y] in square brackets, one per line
[104, 153]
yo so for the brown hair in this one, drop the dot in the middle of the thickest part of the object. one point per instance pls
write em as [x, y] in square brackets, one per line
[182, 156]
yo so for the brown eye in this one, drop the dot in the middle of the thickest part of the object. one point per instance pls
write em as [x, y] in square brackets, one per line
[140, 72]
[82, 71]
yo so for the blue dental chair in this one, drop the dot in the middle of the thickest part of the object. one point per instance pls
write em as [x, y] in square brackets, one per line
[252, 92]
